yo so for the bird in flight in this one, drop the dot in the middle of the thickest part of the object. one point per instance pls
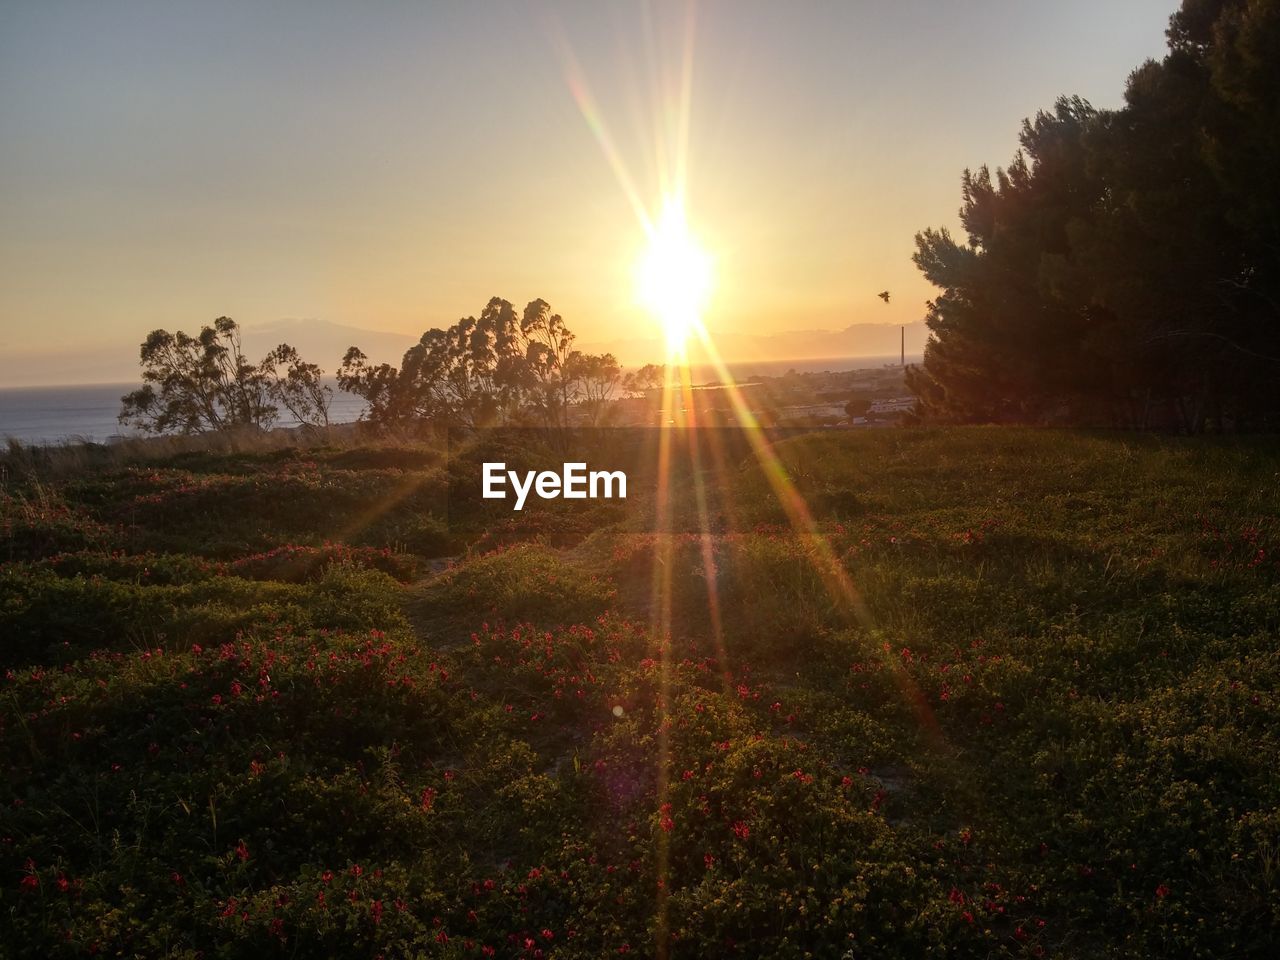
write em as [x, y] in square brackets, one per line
[883, 295]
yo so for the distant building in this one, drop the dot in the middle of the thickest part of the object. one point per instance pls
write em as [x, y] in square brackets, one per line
[893, 405]
[811, 411]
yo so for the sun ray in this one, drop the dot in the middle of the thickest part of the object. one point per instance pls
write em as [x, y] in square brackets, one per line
[674, 278]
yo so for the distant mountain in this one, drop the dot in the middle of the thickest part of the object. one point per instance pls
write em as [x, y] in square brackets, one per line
[318, 341]
[855, 340]
[325, 343]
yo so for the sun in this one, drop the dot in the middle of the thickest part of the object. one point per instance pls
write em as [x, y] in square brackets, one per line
[674, 276]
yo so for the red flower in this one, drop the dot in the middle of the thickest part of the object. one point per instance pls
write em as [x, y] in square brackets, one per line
[1162, 891]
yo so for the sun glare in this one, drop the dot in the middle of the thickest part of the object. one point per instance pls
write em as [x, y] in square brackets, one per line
[673, 278]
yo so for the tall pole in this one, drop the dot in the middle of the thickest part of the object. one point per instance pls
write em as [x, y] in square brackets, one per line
[904, 346]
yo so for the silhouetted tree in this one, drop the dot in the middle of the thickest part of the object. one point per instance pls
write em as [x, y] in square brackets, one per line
[387, 400]
[499, 367]
[297, 386]
[197, 384]
[203, 383]
[1125, 268]
[596, 377]
[648, 379]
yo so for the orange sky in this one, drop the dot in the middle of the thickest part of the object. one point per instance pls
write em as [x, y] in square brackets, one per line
[393, 166]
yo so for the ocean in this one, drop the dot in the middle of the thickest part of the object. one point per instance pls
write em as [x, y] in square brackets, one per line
[51, 415]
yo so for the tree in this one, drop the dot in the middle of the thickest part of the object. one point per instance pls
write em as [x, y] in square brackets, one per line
[197, 384]
[492, 369]
[204, 383]
[857, 406]
[547, 345]
[297, 386]
[387, 401]
[647, 380]
[596, 377]
[1125, 268]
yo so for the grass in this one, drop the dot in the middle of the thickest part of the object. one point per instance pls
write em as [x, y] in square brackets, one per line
[249, 710]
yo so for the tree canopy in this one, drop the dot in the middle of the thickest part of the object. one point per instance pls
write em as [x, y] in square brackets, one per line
[503, 367]
[1125, 267]
[204, 383]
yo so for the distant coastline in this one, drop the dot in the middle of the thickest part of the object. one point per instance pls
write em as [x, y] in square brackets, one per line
[61, 414]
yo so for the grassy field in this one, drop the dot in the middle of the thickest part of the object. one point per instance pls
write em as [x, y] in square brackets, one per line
[1014, 693]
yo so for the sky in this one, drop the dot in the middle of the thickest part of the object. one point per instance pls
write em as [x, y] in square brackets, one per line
[391, 166]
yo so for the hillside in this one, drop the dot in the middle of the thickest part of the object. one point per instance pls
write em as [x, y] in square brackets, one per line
[1012, 693]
